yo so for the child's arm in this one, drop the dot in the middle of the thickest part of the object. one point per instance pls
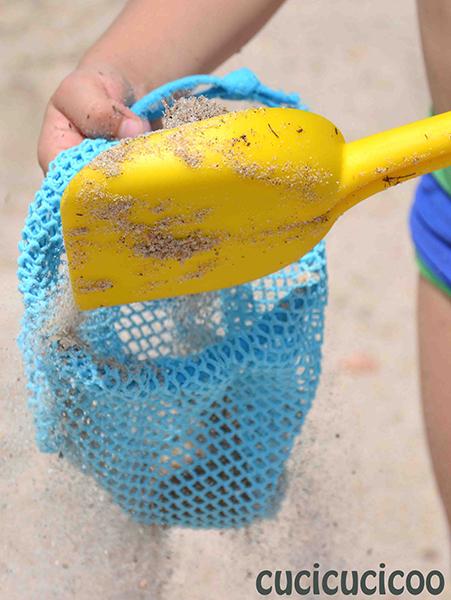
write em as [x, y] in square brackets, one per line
[434, 307]
[435, 24]
[150, 43]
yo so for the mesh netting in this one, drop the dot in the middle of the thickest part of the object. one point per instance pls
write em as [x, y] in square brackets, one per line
[184, 409]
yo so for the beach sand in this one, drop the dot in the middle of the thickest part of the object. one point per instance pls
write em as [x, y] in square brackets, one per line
[361, 489]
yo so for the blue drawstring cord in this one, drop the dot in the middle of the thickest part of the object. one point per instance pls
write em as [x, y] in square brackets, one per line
[242, 84]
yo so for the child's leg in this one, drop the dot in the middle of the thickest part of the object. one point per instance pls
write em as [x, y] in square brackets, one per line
[434, 331]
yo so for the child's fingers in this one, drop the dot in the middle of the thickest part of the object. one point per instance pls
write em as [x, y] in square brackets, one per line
[94, 110]
[57, 134]
[87, 105]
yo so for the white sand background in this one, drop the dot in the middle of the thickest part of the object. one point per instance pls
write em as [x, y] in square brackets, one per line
[361, 489]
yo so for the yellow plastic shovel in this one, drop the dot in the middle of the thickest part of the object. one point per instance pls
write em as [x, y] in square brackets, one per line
[223, 201]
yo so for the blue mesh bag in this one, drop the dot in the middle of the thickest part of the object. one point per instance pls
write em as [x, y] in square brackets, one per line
[184, 409]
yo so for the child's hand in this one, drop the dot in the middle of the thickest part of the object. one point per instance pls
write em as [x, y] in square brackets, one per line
[90, 102]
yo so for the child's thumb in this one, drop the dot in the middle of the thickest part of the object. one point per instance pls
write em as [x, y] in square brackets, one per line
[131, 127]
[95, 114]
